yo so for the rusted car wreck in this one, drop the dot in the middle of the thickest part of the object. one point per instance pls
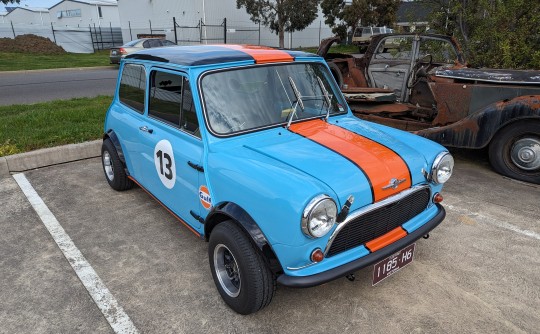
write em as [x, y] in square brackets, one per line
[421, 83]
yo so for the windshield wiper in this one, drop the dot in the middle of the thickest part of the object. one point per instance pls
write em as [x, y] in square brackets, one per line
[299, 101]
[327, 98]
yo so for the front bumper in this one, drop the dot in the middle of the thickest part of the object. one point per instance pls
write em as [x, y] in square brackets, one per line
[351, 267]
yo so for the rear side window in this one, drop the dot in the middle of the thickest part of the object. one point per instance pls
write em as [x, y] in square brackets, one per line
[170, 101]
[132, 85]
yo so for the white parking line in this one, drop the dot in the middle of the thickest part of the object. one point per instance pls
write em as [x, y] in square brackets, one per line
[492, 221]
[113, 312]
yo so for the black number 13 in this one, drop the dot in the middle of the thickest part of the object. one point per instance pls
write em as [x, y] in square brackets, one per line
[168, 174]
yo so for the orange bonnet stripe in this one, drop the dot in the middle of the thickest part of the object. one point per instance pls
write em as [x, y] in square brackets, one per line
[379, 163]
[261, 54]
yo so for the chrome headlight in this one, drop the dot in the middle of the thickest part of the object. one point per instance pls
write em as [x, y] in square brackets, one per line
[442, 169]
[319, 216]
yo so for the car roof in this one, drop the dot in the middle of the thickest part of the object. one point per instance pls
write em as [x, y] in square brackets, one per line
[215, 54]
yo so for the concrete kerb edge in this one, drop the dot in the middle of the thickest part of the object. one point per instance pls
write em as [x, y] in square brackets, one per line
[48, 157]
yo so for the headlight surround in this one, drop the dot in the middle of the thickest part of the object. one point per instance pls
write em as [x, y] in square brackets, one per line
[442, 169]
[319, 216]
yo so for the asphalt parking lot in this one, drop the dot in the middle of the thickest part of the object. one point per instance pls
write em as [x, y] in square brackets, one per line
[477, 273]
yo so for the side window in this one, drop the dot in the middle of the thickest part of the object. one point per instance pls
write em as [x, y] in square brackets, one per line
[189, 117]
[171, 101]
[440, 51]
[395, 48]
[146, 44]
[132, 86]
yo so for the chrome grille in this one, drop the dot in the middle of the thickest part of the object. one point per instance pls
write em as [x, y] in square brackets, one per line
[377, 222]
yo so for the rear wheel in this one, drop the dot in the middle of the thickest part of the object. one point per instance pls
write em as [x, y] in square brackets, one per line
[515, 151]
[113, 168]
[241, 275]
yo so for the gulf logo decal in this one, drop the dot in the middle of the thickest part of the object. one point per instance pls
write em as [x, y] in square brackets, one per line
[378, 163]
[204, 197]
[262, 54]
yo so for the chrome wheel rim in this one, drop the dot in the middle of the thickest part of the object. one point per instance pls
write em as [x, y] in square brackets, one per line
[227, 270]
[107, 165]
[525, 153]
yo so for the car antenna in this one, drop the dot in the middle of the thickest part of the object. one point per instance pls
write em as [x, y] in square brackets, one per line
[327, 98]
[299, 101]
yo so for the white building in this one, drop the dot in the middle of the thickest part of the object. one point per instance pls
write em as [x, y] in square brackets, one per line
[2, 16]
[156, 17]
[28, 15]
[84, 13]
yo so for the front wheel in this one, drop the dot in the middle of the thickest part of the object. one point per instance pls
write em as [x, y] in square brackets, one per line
[241, 275]
[515, 151]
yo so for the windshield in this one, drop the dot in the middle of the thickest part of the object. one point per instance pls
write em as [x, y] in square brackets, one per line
[262, 96]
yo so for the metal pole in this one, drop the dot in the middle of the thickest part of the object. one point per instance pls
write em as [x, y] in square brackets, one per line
[91, 37]
[200, 31]
[260, 32]
[101, 37]
[130, 35]
[112, 38]
[53, 35]
[224, 25]
[320, 32]
[13, 29]
[151, 32]
[175, 35]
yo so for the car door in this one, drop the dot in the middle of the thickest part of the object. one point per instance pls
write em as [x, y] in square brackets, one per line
[129, 114]
[171, 147]
[391, 64]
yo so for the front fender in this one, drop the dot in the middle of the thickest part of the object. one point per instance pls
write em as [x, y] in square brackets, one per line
[477, 129]
[228, 210]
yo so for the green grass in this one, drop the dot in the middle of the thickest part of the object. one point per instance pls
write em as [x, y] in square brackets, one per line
[28, 127]
[335, 49]
[27, 61]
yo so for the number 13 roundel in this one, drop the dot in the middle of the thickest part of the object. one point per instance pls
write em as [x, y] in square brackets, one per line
[164, 161]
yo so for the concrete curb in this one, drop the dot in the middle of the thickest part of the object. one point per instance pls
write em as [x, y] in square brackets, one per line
[49, 156]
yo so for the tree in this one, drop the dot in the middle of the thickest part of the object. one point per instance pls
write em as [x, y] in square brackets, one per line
[5, 2]
[365, 12]
[281, 15]
[493, 33]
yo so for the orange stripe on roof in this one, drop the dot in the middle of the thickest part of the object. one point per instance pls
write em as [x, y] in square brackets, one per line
[262, 54]
[379, 163]
[386, 239]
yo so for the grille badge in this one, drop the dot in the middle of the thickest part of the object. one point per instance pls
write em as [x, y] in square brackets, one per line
[393, 184]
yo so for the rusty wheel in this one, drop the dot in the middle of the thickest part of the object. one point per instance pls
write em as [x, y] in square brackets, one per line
[515, 151]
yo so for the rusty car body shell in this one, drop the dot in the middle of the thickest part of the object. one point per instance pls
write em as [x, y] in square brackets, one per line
[452, 104]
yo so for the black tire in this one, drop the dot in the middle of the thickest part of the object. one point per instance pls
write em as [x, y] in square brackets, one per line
[523, 138]
[113, 168]
[336, 72]
[244, 282]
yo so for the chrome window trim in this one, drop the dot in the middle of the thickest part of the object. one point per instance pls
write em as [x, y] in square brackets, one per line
[372, 207]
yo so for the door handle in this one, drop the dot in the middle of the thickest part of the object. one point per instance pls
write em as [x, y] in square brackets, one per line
[145, 129]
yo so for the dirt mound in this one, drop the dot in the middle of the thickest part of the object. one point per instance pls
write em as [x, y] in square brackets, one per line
[30, 44]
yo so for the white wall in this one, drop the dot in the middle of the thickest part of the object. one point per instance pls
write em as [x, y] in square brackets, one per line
[137, 13]
[24, 16]
[89, 15]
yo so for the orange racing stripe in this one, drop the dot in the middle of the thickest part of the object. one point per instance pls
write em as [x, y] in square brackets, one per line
[379, 163]
[386, 239]
[262, 54]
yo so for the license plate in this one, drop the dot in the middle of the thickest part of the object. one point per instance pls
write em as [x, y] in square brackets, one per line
[393, 264]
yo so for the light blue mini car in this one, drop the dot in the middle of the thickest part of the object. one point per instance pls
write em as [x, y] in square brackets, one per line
[256, 151]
